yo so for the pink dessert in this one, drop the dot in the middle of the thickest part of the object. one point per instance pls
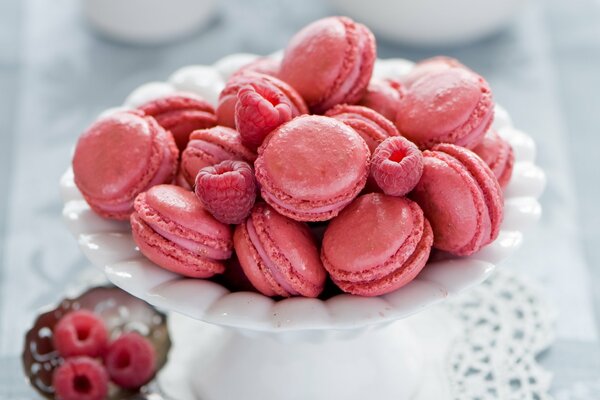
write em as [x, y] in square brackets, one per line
[171, 228]
[312, 167]
[120, 156]
[80, 333]
[329, 62]
[376, 245]
[452, 105]
[181, 115]
[396, 166]
[209, 147]
[383, 96]
[227, 190]
[429, 65]
[80, 378]
[279, 255]
[373, 127]
[498, 155]
[461, 199]
[273, 90]
[131, 360]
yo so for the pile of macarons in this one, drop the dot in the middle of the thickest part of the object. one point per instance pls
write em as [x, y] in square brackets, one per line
[89, 360]
[307, 171]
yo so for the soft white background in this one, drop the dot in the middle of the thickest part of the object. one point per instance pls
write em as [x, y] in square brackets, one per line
[56, 76]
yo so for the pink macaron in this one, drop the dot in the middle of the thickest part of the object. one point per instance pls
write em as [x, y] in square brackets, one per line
[461, 199]
[329, 62]
[373, 127]
[498, 155]
[120, 156]
[383, 96]
[172, 229]
[452, 105]
[429, 65]
[376, 245]
[181, 114]
[228, 98]
[262, 65]
[209, 147]
[278, 255]
[312, 167]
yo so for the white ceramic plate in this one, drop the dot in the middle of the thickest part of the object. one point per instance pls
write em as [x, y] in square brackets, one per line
[109, 245]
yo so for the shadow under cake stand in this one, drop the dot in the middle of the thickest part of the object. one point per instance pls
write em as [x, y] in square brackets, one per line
[245, 345]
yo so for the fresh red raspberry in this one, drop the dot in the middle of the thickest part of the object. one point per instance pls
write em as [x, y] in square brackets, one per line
[80, 378]
[397, 166]
[261, 107]
[130, 361]
[227, 190]
[80, 333]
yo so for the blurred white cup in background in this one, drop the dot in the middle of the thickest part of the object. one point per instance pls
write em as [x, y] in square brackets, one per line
[431, 22]
[148, 21]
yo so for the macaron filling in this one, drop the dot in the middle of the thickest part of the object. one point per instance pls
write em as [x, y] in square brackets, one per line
[271, 268]
[192, 246]
[291, 207]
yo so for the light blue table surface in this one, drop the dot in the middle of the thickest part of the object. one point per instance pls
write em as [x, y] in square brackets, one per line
[56, 76]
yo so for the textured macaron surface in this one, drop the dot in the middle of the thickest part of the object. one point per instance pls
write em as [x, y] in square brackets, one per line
[278, 254]
[452, 105]
[377, 244]
[114, 154]
[461, 198]
[329, 61]
[313, 158]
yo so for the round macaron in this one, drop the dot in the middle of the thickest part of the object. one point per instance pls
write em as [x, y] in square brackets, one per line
[429, 65]
[120, 156]
[209, 147]
[376, 245]
[461, 198]
[329, 62]
[278, 255]
[498, 155]
[262, 65]
[452, 105]
[181, 114]
[312, 167]
[172, 229]
[383, 96]
[373, 127]
[228, 98]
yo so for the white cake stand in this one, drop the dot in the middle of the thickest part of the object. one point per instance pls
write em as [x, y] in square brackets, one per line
[247, 346]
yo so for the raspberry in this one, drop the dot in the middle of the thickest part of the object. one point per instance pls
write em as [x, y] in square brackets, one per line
[396, 166]
[80, 333]
[227, 190]
[80, 378]
[131, 361]
[261, 107]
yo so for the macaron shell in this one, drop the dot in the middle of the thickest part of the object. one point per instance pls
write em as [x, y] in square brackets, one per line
[373, 127]
[329, 61]
[181, 115]
[383, 96]
[377, 244]
[486, 180]
[178, 211]
[498, 154]
[280, 243]
[170, 256]
[334, 174]
[401, 276]
[447, 106]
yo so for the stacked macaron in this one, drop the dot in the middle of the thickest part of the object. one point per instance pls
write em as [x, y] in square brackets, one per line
[308, 169]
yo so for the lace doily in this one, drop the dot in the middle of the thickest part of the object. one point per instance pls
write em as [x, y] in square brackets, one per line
[506, 325]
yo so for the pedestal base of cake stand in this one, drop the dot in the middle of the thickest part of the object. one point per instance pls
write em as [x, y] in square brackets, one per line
[402, 360]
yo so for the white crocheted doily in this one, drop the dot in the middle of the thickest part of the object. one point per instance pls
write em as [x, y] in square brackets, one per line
[506, 325]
